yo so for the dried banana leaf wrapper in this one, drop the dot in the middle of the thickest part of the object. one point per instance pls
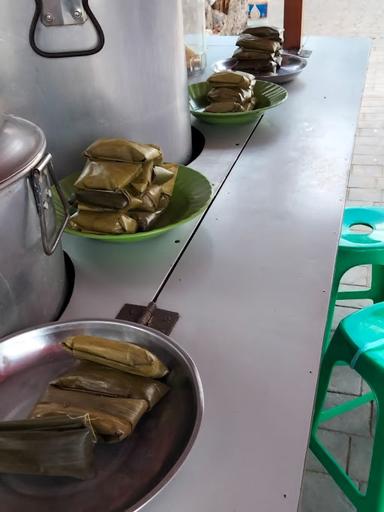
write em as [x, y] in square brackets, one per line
[103, 222]
[123, 150]
[112, 419]
[144, 179]
[232, 79]
[223, 107]
[102, 175]
[101, 380]
[257, 43]
[103, 199]
[124, 356]
[57, 446]
[229, 94]
[245, 54]
[165, 175]
[268, 32]
[258, 66]
[148, 220]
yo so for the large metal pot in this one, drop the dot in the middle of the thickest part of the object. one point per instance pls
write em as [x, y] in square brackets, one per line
[86, 70]
[32, 268]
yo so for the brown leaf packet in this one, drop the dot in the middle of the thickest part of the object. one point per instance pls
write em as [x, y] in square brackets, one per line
[251, 42]
[257, 66]
[112, 419]
[165, 175]
[103, 175]
[148, 220]
[123, 150]
[223, 107]
[57, 446]
[231, 79]
[101, 380]
[116, 223]
[103, 199]
[268, 32]
[229, 94]
[122, 355]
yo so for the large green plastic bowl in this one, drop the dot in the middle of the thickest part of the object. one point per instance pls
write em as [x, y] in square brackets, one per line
[191, 195]
[268, 96]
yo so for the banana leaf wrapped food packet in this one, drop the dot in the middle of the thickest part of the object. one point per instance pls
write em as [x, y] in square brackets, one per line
[123, 150]
[124, 356]
[247, 54]
[107, 175]
[103, 222]
[141, 183]
[101, 380]
[258, 66]
[165, 175]
[223, 107]
[229, 94]
[268, 32]
[57, 446]
[258, 43]
[147, 220]
[112, 419]
[104, 199]
[232, 79]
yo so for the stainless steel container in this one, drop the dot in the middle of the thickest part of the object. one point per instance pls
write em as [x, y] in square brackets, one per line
[104, 69]
[32, 267]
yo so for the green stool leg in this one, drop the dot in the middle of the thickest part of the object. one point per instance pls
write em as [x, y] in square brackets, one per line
[374, 500]
[337, 352]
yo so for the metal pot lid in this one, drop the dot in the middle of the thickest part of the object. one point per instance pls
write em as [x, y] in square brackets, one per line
[22, 144]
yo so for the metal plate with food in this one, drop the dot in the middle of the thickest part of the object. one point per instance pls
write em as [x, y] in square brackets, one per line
[127, 474]
[192, 192]
[267, 96]
[291, 67]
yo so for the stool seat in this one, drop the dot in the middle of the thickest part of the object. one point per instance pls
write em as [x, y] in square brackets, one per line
[370, 216]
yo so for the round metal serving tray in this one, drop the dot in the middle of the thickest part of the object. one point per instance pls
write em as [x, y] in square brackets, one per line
[291, 67]
[128, 474]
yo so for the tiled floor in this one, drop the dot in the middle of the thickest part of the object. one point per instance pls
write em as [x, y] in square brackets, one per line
[349, 438]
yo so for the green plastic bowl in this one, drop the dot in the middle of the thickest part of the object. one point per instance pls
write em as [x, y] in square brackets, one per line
[191, 195]
[268, 96]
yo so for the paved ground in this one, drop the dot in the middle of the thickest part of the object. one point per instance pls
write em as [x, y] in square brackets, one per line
[350, 438]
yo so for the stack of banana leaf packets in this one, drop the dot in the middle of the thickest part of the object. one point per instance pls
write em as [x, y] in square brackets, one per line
[100, 400]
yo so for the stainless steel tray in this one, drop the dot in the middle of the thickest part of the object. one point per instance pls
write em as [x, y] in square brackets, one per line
[128, 474]
[291, 67]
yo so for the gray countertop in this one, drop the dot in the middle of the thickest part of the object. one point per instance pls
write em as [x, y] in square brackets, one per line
[252, 288]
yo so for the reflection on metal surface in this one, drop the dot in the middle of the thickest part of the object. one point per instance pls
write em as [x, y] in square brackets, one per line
[128, 474]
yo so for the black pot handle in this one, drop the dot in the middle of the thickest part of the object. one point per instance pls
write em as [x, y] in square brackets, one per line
[73, 53]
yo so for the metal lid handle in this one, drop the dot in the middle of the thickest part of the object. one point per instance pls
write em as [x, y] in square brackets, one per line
[41, 203]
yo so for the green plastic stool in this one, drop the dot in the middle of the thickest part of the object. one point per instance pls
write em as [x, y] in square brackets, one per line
[355, 249]
[359, 342]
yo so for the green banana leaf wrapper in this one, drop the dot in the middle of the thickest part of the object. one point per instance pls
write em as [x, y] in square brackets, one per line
[268, 32]
[112, 419]
[123, 150]
[57, 446]
[258, 43]
[104, 175]
[101, 380]
[238, 79]
[103, 222]
[123, 356]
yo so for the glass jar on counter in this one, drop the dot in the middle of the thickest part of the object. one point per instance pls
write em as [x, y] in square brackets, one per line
[194, 35]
